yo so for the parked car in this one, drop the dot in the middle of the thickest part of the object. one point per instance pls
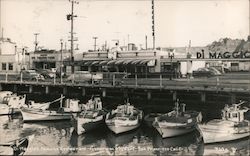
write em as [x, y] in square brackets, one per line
[46, 73]
[85, 76]
[206, 72]
[30, 75]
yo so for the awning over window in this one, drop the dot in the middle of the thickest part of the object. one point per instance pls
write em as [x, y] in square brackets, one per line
[117, 62]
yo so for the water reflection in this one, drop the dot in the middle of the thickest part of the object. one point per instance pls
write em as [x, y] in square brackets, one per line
[237, 147]
[188, 144]
[60, 138]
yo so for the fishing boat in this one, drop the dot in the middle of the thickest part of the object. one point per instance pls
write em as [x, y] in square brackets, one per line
[11, 103]
[124, 118]
[231, 126]
[177, 122]
[36, 114]
[16, 147]
[91, 117]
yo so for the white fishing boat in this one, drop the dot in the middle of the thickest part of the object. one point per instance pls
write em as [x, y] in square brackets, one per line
[91, 117]
[34, 114]
[124, 118]
[16, 147]
[11, 103]
[177, 122]
[231, 126]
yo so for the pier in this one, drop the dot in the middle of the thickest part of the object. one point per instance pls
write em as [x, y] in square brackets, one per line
[228, 86]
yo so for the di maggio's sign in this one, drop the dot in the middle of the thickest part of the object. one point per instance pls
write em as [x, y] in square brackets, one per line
[223, 55]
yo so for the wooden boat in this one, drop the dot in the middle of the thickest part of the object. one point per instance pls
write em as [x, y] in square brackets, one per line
[124, 118]
[11, 103]
[150, 118]
[231, 126]
[91, 117]
[177, 122]
[16, 147]
[35, 114]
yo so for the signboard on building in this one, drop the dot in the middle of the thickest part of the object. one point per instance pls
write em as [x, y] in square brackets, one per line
[223, 55]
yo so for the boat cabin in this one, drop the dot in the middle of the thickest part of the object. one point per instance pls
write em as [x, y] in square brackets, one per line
[233, 113]
[94, 103]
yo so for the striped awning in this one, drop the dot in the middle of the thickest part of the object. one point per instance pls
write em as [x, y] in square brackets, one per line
[116, 62]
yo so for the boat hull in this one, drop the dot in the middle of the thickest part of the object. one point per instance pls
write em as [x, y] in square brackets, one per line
[166, 132]
[84, 125]
[117, 129]
[223, 135]
[32, 116]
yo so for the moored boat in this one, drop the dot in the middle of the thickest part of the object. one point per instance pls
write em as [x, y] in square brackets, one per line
[231, 126]
[34, 114]
[16, 147]
[124, 118]
[177, 122]
[91, 117]
[11, 103]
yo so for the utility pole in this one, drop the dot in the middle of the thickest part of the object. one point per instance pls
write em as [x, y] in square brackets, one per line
[36, 42]
[95, 38]
[146, 44]
[61, 61]
[71, 18]
[153, 23]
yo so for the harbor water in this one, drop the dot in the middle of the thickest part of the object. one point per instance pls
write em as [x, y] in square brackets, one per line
[60, 138]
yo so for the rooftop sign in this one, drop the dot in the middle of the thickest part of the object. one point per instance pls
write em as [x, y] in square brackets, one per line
[223, 55]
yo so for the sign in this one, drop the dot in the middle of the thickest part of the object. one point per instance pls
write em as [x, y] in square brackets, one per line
[223, 55]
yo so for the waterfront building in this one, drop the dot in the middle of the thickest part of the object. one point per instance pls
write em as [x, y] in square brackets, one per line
[11, 57]
[47, 59]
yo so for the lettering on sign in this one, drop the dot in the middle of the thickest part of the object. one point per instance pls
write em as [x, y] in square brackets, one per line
[223, 55]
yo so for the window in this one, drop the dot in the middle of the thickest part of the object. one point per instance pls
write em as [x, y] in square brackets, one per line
[10, 66]
[3, 66]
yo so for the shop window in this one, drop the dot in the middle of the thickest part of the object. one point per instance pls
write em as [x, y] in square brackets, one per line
[10, 66]
[3, 66]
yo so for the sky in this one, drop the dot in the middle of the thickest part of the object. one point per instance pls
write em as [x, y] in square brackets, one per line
[176, 22]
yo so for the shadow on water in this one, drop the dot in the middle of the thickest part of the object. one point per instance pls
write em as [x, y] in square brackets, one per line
[60, 138]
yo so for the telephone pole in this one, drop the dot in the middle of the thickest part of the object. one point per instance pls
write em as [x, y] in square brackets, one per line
[95, 38]
[153, 23]
[71, 18]
[36, 42]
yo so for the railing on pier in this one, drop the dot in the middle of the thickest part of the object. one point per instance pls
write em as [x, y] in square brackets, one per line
[217, 83]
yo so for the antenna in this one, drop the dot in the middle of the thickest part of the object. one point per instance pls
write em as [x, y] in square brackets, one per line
[71, 18]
